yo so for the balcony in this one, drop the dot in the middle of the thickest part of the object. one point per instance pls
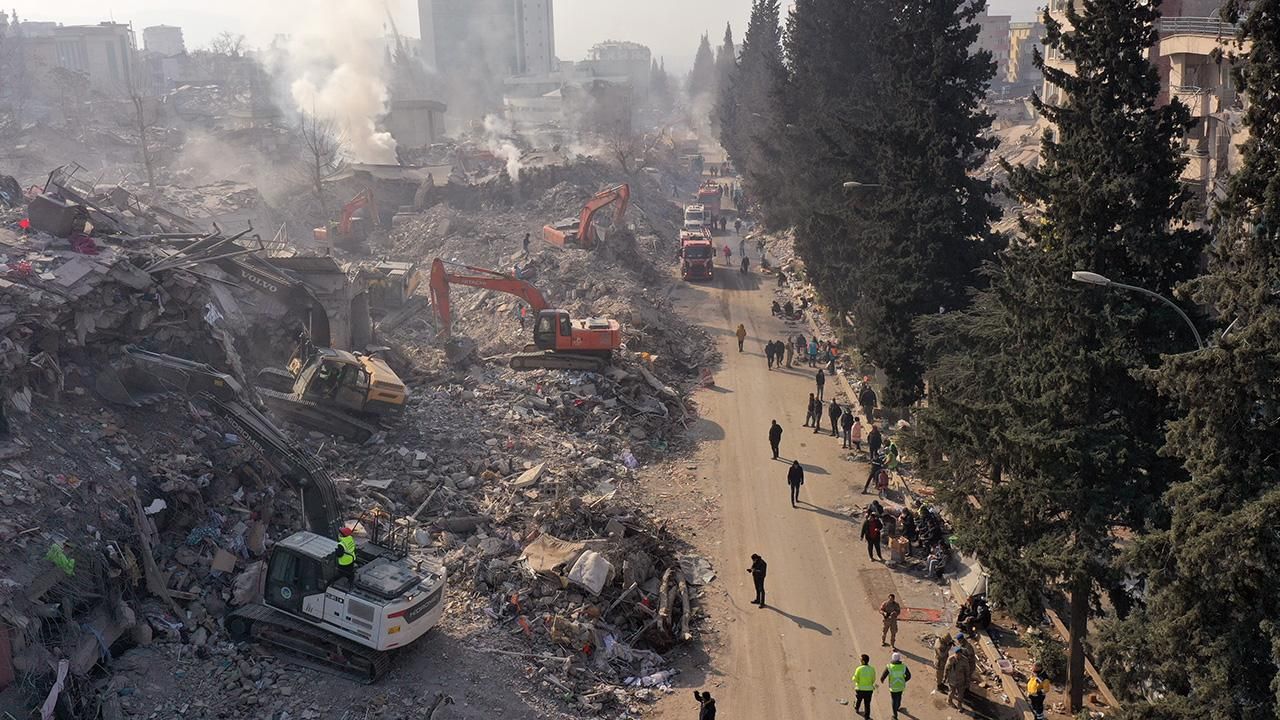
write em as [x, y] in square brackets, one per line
[1198, 99]
[1204, 26]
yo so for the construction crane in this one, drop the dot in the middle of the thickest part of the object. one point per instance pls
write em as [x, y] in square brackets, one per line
[581, 231]
[558, 341]
[347, 623]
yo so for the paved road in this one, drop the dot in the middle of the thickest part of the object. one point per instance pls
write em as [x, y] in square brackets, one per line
[792, 659]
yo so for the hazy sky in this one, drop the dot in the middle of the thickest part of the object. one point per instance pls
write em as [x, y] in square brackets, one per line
[670, 28]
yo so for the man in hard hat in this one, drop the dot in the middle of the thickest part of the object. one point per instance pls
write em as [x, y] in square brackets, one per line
[864, 683]
[347, 559]
[896, 673]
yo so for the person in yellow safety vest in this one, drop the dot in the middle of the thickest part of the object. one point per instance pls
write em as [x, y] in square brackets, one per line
[1035, 691]
[347, 560]
[897, 675]
[864, 682]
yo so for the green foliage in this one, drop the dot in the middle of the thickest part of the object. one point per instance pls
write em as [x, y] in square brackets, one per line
[1037, 409]
[1212, 594]
[1047, 650]
[702, 78]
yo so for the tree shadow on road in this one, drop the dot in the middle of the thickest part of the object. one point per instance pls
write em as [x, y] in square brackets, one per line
[804, 623]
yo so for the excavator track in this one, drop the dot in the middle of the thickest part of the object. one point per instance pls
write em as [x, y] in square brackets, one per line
[311, 415]
[545, 360]
[307, 645]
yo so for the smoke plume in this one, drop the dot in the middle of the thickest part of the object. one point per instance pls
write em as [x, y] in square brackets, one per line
[336, 67]
[497, 139]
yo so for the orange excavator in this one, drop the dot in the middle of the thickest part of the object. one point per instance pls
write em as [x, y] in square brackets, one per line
[580, 231]
[559, 343]
[350, 228]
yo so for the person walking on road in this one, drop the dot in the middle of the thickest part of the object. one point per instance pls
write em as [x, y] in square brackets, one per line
[867, 399]
[874, 440]
[871, 527]
[855, 433]
[706, 705]
[890, 610]
[833, 414]
[864, 683]
[791, 349]
[941, 652]
[846, 427]
[813, 352]
[795, 478]
[775, 437]
[957, 676]
[1035, 691]
[741, 334]
[768, 353]
[808, 412]
[820, 378]
[728, 255]
[896, 674]
[817, 415]
[757, 570]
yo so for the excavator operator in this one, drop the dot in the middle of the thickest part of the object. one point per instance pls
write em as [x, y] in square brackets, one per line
[347, 560]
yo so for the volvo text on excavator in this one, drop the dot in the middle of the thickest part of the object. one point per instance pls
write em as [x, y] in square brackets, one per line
[558, 341]
[581, 231]
[344, 622]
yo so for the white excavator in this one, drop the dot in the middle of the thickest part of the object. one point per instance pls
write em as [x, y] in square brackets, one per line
[339, 621]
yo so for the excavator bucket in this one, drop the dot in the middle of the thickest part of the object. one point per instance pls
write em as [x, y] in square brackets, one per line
[460, 351]
[110, 386]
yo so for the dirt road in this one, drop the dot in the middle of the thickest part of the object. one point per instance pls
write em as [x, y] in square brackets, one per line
[792, 659]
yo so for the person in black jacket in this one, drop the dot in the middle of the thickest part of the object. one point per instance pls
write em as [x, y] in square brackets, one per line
[706, 705]
[757, 570]
[817, 415]
[867, 398]
[808, 413]
[833, 414]
[775, 437]
[820, 379]
[795, 478]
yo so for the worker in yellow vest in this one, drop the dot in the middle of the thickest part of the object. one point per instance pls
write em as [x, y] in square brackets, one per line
[864, 683]
[896, 674]
[1036, 690]
[347, 560]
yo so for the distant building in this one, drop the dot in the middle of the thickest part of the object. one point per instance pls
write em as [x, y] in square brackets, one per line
[535, 37]
[618, 58]
[103, 53]
[163, 39]
[993, 36]
[1024, 39]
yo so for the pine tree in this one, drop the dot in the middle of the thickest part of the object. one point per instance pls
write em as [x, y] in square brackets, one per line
[1037, 409]
[702, 78]
[726, 68]
[660, 94]
[1205, 640]
[869, 101]
[752, 96]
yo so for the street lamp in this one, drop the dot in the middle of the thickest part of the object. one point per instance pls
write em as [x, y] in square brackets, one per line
[1092, 278]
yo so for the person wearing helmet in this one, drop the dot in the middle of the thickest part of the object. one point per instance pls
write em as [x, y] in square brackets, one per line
[347, 559]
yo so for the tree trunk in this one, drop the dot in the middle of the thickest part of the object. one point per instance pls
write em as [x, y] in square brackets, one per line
[1078, 630]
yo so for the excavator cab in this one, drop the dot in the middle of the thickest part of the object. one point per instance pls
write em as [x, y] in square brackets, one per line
[553, 331]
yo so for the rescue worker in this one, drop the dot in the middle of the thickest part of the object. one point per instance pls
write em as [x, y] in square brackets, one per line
[741, 333]
[1035, 691]
[890, 610]
[941, 651]
[758, 569]
[775, 437]
[347, 560]
[957, 676]
[864, 683]
[896, 673]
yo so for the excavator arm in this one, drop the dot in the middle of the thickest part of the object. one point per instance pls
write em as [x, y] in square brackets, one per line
[620, 194]
[364, 199]
[442, 278]
[227, 397]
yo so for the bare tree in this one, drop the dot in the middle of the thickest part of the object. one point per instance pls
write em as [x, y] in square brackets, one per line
[228, 44]
[631, 150]
[143, 122]
[73, 89]
[322, 150]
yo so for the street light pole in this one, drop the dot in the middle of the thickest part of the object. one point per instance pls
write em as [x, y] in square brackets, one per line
[1092, 278]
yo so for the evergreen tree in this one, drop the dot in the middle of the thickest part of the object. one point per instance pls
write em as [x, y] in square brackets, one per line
[749, 103]
[702, 78]
[1205, 640]
[660, 93]
[870, 100]
[1036, 408]
[726, 68]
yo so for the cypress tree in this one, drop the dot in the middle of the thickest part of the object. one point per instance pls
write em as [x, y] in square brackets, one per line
[1055, 435]
[751, 96]
[702, 78]
[726, 68]
[1205, 640]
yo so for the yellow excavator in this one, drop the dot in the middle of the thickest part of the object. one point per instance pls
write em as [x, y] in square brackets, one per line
[334, 391]
[344, 622]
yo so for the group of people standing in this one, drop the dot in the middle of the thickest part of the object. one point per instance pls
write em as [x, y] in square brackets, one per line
[844, 424]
